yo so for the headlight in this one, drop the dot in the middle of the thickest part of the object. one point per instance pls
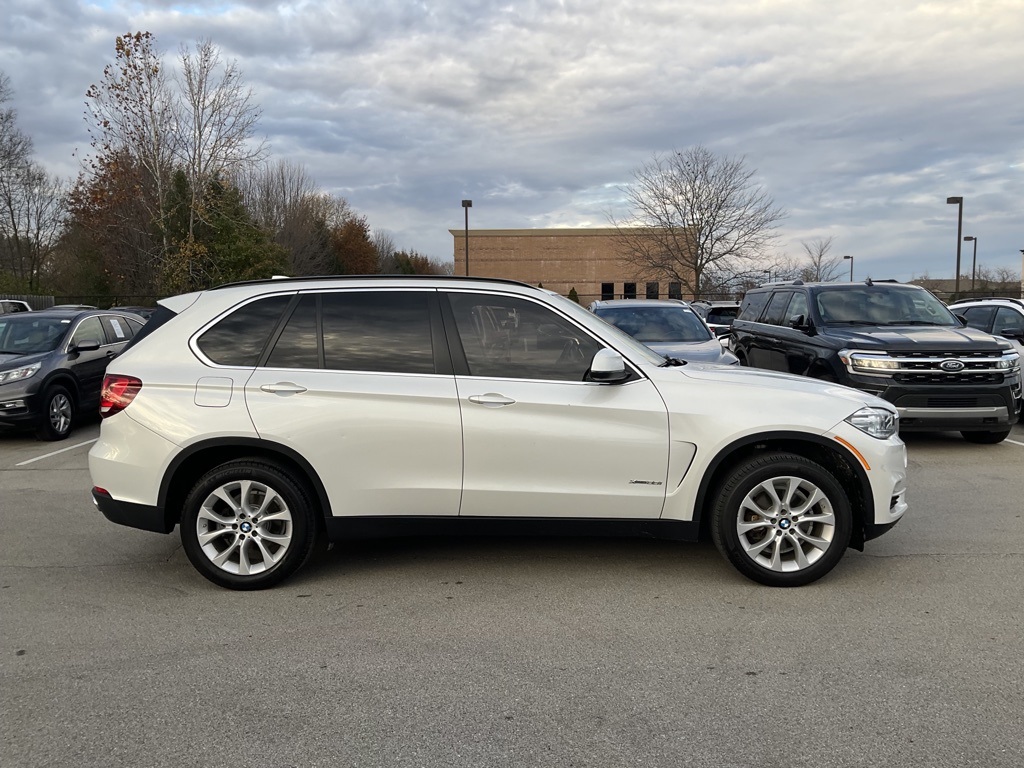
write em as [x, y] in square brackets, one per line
[863, 361]
[1010, 361]
[17, 374]
[877, 422]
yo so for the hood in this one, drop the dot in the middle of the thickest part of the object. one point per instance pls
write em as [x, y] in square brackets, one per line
[710, 351]
[8, 360]
[762, 379]
[912, 338]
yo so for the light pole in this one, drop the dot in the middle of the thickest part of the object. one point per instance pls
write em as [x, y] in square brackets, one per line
[851, 266]
[974, 259]
[466, 205]
[959, 202]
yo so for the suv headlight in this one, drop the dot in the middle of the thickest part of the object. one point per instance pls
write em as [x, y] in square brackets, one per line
[877, 422]
[17, 374]
[868, 362]
[1010, 361]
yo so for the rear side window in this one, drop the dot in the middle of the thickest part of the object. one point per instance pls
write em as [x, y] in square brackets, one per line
[239, 338]
[777, 308]
[380, 331]
[118, 329]
[752, 305]
[298, 345]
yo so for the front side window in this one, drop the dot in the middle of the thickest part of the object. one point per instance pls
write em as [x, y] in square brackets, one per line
[979, 317]
[776, 312]
[380, 331]
[1008, 320]
[239, 338]
[512, 338]
[797, 309]
[89, 330]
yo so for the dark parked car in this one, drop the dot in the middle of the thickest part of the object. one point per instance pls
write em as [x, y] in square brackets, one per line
[52, 364]
[144, 312]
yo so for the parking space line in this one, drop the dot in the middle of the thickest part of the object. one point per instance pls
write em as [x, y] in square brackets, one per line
[1015, 443]
[54, 453]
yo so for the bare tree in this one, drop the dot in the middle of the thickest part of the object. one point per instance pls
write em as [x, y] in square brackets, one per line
[384, 242]
[697, 219]
[820, 266]
[218, 122]
[31, 202]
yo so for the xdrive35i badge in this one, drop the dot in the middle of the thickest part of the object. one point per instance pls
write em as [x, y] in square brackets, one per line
[952, 366]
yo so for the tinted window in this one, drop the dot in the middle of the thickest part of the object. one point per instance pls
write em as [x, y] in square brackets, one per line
[776, 312]
[797, 309]
[978, 317]
[1008, 319]
[629, 290]
[652, 290]
[117, 329]
[26, 334]
[89, 330]
[507, 337]
[607, 291]
[298, 346]
[752, 305]
[240, 337]
[675, 290]
[378, 331]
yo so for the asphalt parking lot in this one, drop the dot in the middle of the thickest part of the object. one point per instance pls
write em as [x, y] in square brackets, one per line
[522, 652]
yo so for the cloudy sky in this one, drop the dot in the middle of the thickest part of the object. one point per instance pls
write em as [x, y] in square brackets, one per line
[860, 117]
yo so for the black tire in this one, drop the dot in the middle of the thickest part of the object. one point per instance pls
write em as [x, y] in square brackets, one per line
[767, 551]
[271, 550]
[57, 414]
[986, 438]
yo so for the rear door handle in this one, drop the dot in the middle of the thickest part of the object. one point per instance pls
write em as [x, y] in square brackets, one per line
[491, 400]
[283, 388]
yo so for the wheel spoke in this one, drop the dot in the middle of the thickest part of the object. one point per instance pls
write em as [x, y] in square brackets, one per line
[245, 496]
[243, 558]
[270, 497]
[814, 541]
[755, 549]
[208, 536]
[224, 556]
[207, 513]
[792, 487]
[776, 561]
[267, 557]
[828, 518]
[751, 506]
[798, 552]
[282, 540]
[745, 527]
[815, 498]
[222, 494]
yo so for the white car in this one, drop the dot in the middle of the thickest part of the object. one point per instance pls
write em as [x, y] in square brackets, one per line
[998, 316]
[261, 415]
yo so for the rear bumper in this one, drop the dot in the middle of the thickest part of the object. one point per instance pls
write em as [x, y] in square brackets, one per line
[140, 516]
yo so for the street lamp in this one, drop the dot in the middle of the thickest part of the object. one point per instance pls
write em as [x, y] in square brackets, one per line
[851, 266]
[974, 259]
[959, 202]
[467, 204]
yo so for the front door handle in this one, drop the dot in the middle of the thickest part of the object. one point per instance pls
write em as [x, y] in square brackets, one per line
[491, 400]
[283, 388]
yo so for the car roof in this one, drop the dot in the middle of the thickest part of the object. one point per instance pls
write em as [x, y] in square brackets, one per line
[640, 303]
[71, 314]
[990, 300]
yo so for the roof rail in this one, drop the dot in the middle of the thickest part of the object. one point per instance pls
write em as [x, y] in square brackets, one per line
[990, 298]
[306, 278]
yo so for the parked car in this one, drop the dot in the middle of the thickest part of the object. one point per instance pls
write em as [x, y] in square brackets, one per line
[719, 315]
[668, 326]
[52, 364]
[895, 341]
[144, 312]
[259, 415]
[998, 316]
[10, 306]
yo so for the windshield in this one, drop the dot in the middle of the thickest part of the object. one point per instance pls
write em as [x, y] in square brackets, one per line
[882, 305]
[657, 325]
[27, 335]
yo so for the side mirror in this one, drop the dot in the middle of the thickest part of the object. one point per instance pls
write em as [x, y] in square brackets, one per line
[86, 345]
[1012, 333]
[608, 367]
[799, 323]
[961, 318]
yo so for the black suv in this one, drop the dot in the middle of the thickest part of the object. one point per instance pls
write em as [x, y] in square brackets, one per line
[52, 364]
[893, 340]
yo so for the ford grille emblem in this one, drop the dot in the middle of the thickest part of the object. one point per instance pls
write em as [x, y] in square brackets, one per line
[951, 366]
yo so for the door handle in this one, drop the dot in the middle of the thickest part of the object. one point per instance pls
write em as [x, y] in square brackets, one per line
[283, 388]
[491, 400]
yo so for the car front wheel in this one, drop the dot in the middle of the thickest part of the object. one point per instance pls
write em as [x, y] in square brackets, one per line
[782, 520]
[58, 411]
[248, 525]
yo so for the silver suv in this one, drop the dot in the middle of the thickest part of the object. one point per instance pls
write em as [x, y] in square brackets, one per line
[260, 416]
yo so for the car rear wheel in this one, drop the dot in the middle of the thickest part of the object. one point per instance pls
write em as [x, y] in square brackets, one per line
[57, 414]
[986, 438]
[248, 525]
[782, 520]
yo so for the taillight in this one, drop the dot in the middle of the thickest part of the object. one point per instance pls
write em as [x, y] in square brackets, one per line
[118, 393]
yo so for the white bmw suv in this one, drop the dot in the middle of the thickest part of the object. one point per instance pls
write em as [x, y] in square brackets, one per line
[260, 416]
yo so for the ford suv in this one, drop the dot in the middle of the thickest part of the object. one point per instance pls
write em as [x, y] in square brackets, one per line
[893, 340]
[259, 416]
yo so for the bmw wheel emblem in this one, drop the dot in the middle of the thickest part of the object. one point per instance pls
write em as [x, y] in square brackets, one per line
[952, 366]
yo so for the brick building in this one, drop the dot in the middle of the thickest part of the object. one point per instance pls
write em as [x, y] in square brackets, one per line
[589, 260]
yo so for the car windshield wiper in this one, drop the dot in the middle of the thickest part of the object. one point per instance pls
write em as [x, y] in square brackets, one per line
[910, 322]
[848, 322]
[671, 362]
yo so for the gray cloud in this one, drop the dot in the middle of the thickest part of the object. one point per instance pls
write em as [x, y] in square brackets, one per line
[860, 117]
